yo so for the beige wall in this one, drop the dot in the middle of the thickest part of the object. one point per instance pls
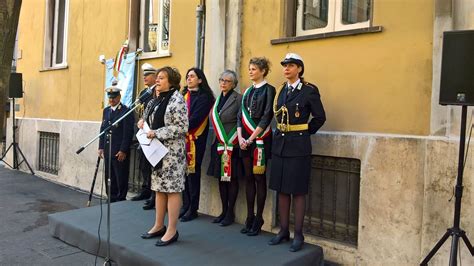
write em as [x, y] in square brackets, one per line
[377, 82]
[95, 28]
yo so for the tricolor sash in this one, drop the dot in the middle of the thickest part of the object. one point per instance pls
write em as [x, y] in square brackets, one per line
[226, 142]
[250, 127]
[191, 137]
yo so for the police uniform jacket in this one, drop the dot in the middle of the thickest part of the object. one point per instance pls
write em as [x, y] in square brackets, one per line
[301, 102]
[122, 133]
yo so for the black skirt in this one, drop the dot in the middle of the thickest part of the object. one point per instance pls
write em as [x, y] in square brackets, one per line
[290, 175]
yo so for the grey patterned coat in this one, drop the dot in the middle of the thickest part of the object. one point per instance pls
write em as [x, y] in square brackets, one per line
[170, 177]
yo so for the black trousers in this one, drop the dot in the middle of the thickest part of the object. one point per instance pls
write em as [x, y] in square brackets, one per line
[145, 170]
[118, 178]
[192, 183]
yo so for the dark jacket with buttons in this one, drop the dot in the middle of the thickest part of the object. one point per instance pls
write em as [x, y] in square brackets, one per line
[260, 103]
[122, 133]
[301, 102]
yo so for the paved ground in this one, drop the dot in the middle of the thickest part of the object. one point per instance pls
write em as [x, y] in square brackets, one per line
[25, 202]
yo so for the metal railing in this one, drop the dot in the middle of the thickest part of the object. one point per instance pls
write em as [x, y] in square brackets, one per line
[332, 203]
[48, 159]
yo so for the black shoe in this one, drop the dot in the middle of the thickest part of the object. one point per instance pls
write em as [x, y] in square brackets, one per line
[256, 227]
[182, 212]
[297, 244]
[219, 218]
[189, 216]
[141, 196]
[248, 224]
[161, 243]
[161, 232]
[149, 206]
[279, 238]
[228, 219]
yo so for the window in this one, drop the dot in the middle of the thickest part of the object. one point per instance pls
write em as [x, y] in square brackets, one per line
[48, 159]
[55, 53]
[154, 26]
[320, 16]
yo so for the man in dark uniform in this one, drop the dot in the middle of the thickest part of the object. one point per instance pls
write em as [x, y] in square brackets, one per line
[296, 102]
[149, 79]
[121, 139]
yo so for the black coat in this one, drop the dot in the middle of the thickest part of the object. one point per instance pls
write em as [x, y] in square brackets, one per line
[301, 103]
[261, 109]
[122, 133]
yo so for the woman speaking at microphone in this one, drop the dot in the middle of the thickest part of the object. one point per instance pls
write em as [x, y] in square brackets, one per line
[167, 118]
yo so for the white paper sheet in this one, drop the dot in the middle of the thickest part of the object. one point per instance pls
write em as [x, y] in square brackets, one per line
[153, 149]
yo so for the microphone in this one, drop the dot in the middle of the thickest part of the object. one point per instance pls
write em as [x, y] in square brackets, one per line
[145, 96]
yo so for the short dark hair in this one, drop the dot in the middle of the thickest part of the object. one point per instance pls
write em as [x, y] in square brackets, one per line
[262, 63]
[174, 77]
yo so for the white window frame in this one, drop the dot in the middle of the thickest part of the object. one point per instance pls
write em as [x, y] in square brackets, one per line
[50, 51]
[334, 20]
[141, 43]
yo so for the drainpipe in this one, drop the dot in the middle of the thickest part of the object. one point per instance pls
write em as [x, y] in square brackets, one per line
[200, 31]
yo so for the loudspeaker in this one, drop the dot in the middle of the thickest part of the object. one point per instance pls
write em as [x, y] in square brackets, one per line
[457, 68]
[16, 88]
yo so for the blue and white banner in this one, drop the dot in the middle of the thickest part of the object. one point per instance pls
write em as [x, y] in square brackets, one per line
[125, 78]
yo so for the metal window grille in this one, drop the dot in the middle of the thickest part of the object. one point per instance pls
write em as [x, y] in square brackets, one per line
[49, 152]
[332, 203]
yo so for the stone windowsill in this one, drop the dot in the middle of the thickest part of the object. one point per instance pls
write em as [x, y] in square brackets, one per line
[54, 68]
[151, 55]
[326, 35]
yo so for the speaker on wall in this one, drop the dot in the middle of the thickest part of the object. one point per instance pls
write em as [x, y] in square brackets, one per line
[457, 68]
[15, 88]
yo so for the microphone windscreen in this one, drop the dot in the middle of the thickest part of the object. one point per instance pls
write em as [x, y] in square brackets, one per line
[146, 95]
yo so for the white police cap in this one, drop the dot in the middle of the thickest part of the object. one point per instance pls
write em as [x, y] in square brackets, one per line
[148, 69]
[292, 58]
[113, 91]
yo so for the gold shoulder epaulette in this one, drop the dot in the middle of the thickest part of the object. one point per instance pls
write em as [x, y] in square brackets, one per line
[311, 85]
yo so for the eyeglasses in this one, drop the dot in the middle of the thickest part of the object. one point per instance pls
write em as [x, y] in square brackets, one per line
[225, 81]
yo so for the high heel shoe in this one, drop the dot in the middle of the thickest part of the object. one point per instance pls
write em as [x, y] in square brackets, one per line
[279, 238]
[161, 243]
[228, 219]
[219, 218]
[248, 224]
[256, 227]
[161, 232]
[297, 244]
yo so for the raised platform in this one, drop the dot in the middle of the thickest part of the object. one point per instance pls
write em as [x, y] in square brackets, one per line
[200, 241]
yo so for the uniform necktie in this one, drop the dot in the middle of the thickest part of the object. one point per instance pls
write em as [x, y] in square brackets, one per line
[290, 89]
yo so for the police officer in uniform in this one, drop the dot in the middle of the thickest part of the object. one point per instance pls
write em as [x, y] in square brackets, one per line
[294, 102]
[122, 135]
[149, 79]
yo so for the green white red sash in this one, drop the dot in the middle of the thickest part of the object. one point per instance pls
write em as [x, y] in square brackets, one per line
[226, 142]
[250, 127]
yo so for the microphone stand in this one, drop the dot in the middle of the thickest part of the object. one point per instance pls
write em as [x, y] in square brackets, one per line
[108, 130]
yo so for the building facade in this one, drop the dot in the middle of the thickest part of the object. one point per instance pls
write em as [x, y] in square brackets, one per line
[391, 148]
